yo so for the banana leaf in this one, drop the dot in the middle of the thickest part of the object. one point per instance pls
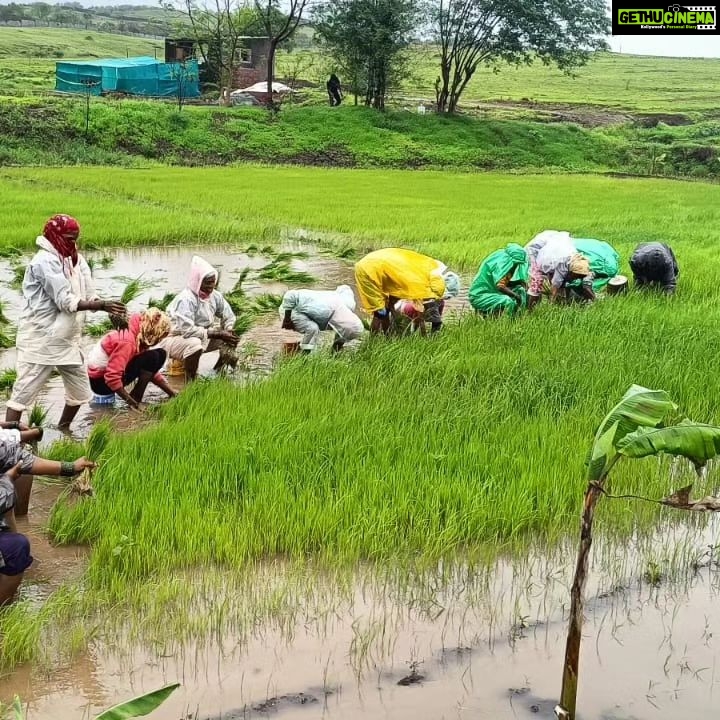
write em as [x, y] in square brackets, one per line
[142, 705]
[695, 441]
[639, 407]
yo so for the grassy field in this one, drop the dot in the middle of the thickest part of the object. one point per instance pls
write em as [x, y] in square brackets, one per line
[28, 55]
[456, 216]
[136, 133]
[611, 80]
[421, 449]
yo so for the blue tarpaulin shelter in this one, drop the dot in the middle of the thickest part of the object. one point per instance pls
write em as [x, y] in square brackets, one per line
[135, 76]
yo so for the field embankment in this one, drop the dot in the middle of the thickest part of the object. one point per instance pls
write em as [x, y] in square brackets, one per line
[53, 132]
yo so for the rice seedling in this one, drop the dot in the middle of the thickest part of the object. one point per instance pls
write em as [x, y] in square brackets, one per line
[133, 288]
[7, 379]
[38, 416]
[7, 338]
[163, 302]
[281, 271]
[10, 252]
[17, 276]
[106, 261]
[98, 329]
[3, 317]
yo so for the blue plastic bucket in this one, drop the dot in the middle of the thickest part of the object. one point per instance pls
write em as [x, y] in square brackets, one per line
[103, 399]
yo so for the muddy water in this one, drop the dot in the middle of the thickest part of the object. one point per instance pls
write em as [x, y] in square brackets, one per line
[477, 648]
[165, 270]
[485, 647]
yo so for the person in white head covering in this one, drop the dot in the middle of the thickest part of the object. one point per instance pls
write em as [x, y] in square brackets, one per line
[309, 312]
[195, 314]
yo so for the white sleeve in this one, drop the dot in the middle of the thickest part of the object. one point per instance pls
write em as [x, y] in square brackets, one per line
[182, 316]
[56, 285]
[290, 300]
[225, 313]
[90, 291]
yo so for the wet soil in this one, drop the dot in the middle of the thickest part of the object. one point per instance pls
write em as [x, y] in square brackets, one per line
[165, 270]
[485, 648]
[649, 653]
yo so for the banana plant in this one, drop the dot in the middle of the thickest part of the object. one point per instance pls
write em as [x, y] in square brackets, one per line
[642, 424]
[137, 707]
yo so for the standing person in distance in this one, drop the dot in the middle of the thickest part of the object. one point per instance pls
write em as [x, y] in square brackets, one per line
[334, 90]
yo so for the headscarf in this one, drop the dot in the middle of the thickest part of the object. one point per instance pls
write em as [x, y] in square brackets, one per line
[154, 327]
[516, 253]
[579, 265]
[452, 283]
[199, 270]
[62, 232]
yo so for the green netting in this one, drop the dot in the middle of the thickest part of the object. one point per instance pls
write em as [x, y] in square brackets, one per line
[134, 76]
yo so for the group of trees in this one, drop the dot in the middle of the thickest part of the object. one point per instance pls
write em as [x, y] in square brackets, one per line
[369, 39]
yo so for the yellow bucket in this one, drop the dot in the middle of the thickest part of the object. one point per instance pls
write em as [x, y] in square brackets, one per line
[177, 368]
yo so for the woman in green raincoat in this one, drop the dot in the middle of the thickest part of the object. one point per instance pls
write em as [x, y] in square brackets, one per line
[499, 286]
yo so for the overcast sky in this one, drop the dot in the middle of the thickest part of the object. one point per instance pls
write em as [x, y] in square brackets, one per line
[680, 46]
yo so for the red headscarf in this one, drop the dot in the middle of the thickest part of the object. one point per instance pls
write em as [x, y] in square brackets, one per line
[62, 231]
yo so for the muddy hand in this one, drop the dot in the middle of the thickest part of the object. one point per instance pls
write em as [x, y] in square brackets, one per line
[112, 307]
[83, 464]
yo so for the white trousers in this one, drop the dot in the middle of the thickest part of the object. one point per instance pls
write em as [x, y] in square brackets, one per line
[32, 377]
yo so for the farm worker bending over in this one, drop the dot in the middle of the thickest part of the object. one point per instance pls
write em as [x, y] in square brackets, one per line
[421, 313]
[654, 264]
[57, 289]
[126, 356]
[533, 248]
[193, 314]
[310, 311]
[385, 276]
[15, 460]
[560, 263]
[499, 286]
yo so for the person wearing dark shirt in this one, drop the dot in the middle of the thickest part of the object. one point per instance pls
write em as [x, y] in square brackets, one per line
[334, 90]
[654, 265]
[15, 557]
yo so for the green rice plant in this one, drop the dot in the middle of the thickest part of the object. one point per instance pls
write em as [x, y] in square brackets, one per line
[281, 271]
[38, 416]
[133, 289]
[7, 379]
[98, 329]
[106, 261]
[7, 339]
[10, 252]
[267, 302]
[98, 440]
[3, 317]
[17, 277]
[163, 302]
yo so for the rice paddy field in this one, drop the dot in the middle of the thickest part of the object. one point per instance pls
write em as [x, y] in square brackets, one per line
[314, 538]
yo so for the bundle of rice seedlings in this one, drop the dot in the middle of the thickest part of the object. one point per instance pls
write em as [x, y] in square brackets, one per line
[94, 447]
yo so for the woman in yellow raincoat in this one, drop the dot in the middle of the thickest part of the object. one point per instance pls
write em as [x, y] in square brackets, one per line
[385, 276]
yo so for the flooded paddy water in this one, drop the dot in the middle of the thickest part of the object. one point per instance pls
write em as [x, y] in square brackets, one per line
[448, 643]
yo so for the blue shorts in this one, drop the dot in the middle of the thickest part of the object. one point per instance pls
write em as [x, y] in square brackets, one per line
[15, 552]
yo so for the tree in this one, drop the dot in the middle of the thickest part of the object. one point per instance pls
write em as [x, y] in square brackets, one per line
[183, 75]
[367, 40]
[278, 27]
[642, 424]
[217, 26]
[474, 32]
